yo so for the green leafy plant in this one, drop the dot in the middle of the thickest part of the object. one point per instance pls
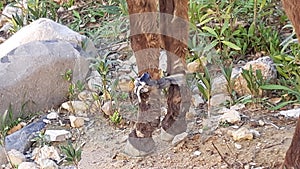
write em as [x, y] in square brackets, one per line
[74, 88]
[41, 139]
[254, 81]
[227, 72]
[116, 117]
[102, 67]
[34, 10]
[73, 155]
[7, 121]
[205, 85]
[294, 91]
[68, 75]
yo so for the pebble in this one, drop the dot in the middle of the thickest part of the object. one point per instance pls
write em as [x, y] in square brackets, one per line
[27, 165]
[76, 122]
[75, 106]
[178, 138]
[52, 115]
[255, 133]
[241, 134]
[261, 123]
[58, 135]
[86, 95]
[48, 164]
[107, 108]
[197, 153]
[95, 82]
[194, 66]
[230, 116]
[16, 157]
[16, 128]
[237, 146]
[237, 107]
[46, 152]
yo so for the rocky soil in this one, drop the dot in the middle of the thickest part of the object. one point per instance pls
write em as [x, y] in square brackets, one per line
[201, 149]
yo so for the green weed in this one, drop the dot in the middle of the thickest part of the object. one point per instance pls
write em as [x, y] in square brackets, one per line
[204, 86]
[73, 155]
[116, 117]
[254, 81]
[227, 72]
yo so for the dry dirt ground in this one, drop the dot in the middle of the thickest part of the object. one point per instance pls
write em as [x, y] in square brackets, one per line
[209, 149]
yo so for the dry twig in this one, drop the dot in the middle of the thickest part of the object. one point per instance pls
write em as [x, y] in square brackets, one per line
[221, 155]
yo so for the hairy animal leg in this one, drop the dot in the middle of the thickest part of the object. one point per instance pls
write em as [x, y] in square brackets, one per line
[174, 35]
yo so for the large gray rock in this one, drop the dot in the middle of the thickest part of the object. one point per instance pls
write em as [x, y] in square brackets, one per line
[46, 29]
[31, 74]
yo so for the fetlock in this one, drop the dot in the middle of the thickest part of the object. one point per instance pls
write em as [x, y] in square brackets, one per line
[174, 122]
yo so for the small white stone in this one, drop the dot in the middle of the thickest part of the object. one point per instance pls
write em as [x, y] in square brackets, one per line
[48, 164]
[247, 166]
[261, 123]
[46, 121]
[242, 134]
[197, 153]
[255, 132]
[75, 106]
[291, 113]
[27, 165]
[76, 122]
[178, 138]
[52, 116]
[58, 135]
[237, 146]
[230, 116]
[16, 157]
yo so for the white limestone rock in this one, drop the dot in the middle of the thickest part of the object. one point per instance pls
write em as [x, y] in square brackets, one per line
[28, 165]
[58, 135]
[230, 116]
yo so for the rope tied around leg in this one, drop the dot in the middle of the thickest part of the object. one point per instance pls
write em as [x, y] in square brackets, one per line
[142, 83]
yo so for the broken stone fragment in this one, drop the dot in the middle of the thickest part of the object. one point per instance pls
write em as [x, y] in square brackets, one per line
[230, 116]
[77, 107]
[241, 134]
[58, 135]
[27, 165]
[107, 108]
[48, 164]
[76, 122]
[52, 115]
[179, 138]
[16, 157]
[39, 155]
